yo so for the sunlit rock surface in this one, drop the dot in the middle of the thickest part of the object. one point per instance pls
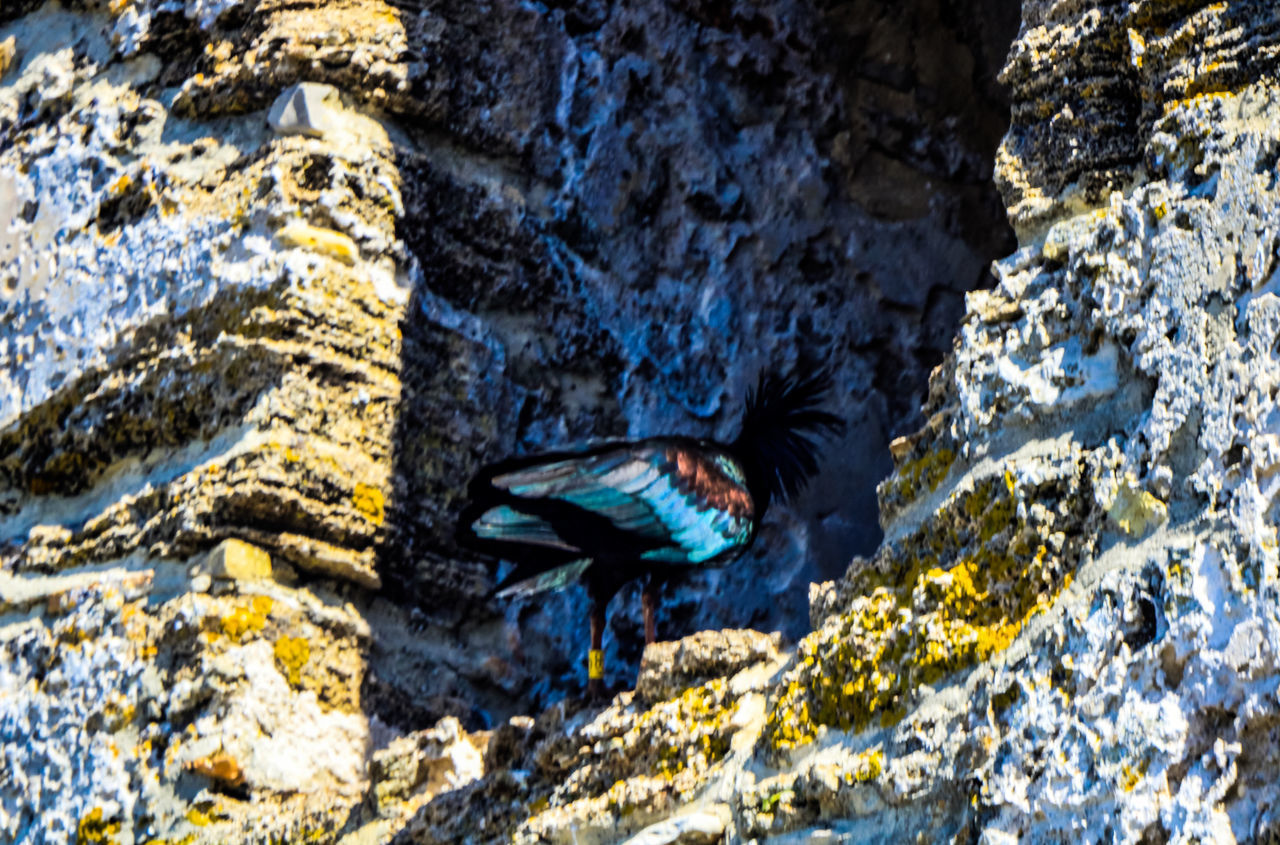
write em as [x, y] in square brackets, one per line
[276, 278]
[289, 273]
[1070, 632]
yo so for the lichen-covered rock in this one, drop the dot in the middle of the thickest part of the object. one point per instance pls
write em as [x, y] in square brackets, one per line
[952, 593]
[250, 356]
[159, 715]
[277, 278]
[602, 776]
[290, 273]
[1070, 629]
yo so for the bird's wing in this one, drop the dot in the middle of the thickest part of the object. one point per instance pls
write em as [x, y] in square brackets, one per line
[671, 503]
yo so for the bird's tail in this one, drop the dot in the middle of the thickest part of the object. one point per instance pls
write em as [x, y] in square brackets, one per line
[780, 429]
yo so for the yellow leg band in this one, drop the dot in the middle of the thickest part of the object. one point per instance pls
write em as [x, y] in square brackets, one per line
[595, 664]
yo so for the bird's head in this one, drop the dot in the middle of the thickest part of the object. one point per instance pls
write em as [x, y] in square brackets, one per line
[778, 444]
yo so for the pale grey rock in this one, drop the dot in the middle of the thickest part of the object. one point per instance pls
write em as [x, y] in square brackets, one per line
[702, 827]
[305, 109]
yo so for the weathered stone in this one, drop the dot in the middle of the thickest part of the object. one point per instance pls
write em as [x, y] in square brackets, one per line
[412, 770]
[667, 668]
[235, 560]
[308, 342]
[1072, 622]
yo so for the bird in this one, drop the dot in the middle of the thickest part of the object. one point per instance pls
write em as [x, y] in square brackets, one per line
[654, 508]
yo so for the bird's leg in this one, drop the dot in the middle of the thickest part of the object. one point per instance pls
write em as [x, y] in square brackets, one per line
[649, 603]
[595, 657]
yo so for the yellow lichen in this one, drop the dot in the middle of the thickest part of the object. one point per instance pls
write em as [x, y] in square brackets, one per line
[703, 724]
[370, 502]
[1131, 775]
[93, 828]
[1137, 48]
[201, 817]
[867, 766]
[204, 813]
[962, 592]
[1201, 97]
[292, 653]
[247, 618]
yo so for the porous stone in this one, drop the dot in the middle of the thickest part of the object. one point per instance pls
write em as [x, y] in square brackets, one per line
[705, 827]
[596, 776]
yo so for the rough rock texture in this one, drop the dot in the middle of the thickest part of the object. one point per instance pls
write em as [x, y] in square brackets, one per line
[600, 776]
[277, 277]
[257, 336]
[1070, 632]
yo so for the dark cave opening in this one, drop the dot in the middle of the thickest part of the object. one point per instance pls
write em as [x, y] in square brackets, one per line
[633, 212]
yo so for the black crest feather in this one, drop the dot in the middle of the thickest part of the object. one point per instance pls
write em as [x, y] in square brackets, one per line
[780, 428]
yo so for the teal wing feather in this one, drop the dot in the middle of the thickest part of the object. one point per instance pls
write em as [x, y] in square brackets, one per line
[552, 579]
[649, 493]
[506, 523]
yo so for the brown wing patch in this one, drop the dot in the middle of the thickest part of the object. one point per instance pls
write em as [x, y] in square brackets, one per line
[701, 477]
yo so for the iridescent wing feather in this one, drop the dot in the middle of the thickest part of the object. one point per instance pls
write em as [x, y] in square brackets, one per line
[666, 502]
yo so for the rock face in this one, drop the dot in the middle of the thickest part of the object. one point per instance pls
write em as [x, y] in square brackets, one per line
[277, 277]
[1070, 631]
[339, 256]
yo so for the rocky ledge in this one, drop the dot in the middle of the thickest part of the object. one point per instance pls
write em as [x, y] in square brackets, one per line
[268, 303]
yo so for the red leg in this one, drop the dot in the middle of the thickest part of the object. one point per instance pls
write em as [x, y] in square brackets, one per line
[649, 602]
[595, 657]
